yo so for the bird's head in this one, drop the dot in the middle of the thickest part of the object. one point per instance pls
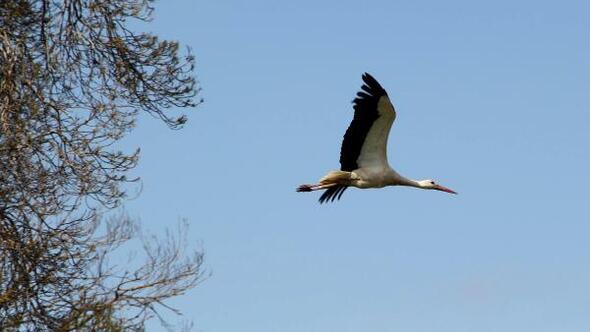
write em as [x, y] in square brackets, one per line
[431, 184]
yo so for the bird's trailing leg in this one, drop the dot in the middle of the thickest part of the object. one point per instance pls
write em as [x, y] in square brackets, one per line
[314, 187]
[332, 179]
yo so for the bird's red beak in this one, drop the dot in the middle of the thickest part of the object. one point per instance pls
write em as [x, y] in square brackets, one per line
[445, 189]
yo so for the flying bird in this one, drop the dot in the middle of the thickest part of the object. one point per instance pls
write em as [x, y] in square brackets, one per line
[363, 155]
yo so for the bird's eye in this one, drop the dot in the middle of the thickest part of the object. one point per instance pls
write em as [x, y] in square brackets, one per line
[431, 182]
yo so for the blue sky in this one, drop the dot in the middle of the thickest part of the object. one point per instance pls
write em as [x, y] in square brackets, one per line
[492, 100]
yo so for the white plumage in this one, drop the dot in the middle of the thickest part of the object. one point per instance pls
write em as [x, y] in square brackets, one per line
[363, 155]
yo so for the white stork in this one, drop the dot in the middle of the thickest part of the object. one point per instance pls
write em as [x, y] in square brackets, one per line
[363, 155]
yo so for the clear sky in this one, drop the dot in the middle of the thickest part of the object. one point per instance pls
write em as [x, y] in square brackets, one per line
[493, 101]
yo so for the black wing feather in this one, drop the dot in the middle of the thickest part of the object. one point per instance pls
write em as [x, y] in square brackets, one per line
[332, 194]
[365, 113]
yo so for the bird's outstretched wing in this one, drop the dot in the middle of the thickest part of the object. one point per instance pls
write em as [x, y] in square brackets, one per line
[365, 141]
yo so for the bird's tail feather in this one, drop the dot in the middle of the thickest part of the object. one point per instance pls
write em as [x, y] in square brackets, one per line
[335, 183]
[336, 177]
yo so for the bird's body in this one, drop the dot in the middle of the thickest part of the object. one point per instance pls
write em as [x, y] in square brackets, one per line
[363, 155]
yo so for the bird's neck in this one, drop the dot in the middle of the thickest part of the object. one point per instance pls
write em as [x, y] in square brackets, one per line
[398, 180]
[409, 182]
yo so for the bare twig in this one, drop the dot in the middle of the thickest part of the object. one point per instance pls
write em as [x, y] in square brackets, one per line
[73, 79]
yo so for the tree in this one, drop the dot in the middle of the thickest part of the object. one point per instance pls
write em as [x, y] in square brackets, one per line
[73, 79]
